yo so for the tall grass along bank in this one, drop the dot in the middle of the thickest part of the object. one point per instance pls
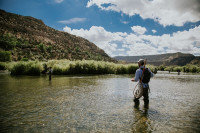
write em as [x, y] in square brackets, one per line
[26, 68]
[189, 68]
[66, 67]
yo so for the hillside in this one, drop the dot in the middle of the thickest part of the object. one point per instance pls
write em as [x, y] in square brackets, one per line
[27, 38]
[196, 60]
[167, 59]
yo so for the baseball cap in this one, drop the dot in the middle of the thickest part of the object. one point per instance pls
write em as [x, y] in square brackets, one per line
[140, 61]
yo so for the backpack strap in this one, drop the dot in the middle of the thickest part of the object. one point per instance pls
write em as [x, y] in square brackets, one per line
[143, 70]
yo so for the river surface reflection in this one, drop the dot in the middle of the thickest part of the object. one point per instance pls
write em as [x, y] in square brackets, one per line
[101, 103]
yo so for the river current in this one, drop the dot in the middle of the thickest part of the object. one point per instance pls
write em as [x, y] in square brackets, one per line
[102, 103]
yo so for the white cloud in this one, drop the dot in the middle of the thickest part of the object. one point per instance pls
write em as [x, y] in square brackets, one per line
[154, 31]
[139, 29]
[124, 22]
[58, 1]
[140, 44]
[121, 49]
[73, 20]
[166, 12]
[99, 36]
[141, 49]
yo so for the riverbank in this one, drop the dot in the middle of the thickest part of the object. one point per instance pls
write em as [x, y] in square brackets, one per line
[67, 67]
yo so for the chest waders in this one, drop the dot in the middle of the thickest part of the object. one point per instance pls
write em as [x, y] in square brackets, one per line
[140, 91]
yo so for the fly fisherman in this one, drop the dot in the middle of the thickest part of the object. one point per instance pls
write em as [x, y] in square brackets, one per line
[142, 76]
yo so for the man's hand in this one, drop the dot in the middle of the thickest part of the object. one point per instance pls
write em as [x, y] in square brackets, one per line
[133, 80]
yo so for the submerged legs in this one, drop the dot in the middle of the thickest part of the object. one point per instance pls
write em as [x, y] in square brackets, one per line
[146, 99]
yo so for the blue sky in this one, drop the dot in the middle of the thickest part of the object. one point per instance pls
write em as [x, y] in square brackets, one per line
[121, 27]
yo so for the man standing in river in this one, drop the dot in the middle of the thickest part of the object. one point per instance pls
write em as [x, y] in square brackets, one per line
[142, 76]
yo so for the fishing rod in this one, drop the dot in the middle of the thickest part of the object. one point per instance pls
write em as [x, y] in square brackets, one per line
[145, 60]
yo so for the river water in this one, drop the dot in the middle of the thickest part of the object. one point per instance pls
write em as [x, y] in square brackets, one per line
[101, 103]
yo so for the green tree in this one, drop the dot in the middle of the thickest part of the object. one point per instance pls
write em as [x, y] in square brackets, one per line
[8, 42]
[49, 49]
[42, 47]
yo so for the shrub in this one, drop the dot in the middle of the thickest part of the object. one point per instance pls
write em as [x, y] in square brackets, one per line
[198, 69]
[185, 69]
[33, 68]
[5, 56]
[24, 59]
[65, 70]
[194, 69]
[45, 68]
[7, 41]
[177, 69]
[92, 67]
[42, 47]
[2, 66]
[161, 67]
[100, 68]
[169, 68]
[57, 70]
[132, 69]
[191, 68]
[121, 69]
[26, 68]
[18, 69]
[49, 49]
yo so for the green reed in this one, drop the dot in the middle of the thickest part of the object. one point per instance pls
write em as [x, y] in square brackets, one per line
[67, 67]
[26, 68]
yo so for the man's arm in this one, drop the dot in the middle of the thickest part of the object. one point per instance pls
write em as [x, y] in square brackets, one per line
[152, 74]
[136, 76]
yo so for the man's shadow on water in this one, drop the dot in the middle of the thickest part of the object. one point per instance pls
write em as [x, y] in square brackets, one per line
[144, 119]
[141, 122]
[50, 84]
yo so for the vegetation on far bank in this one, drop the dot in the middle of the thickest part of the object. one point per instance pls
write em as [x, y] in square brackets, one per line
[67, 67]
[189, 68]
